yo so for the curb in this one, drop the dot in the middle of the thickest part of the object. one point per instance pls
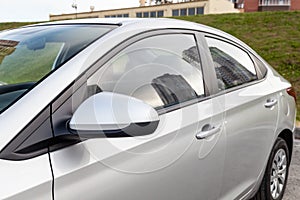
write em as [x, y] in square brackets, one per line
[297, 132]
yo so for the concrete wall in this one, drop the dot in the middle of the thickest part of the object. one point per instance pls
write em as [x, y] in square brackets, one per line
[210, 7]
[221, 6]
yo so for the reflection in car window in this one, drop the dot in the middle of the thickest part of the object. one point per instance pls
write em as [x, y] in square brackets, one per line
[233, 66]
[28, 54]
[161, 70]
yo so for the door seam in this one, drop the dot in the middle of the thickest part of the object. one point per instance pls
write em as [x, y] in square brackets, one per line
[52, 173]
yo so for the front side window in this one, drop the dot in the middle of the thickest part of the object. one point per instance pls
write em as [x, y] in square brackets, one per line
[157, 70]
[233, 66]
[28, 54]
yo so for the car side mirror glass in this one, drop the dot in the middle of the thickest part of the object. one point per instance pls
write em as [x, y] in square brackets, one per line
[109, 114]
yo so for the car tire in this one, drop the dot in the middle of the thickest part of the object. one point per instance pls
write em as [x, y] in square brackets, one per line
[275, 176]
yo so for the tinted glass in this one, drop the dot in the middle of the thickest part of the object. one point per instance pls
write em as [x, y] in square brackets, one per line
[175, 12]
[183, 12]
[192, 11]
[28, 54]
[153, 14]
[156, 70]
[233, 66]
[200, 11]
[146, 14]
[160, 13]
[139, 14]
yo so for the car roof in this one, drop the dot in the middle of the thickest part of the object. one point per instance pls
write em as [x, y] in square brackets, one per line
[144, 24]
[141, 23]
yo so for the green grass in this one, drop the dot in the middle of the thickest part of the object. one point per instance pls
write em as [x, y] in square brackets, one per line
[10, 25]
[273, 35]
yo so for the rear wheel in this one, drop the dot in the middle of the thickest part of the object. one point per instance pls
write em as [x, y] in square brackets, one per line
[275, 178]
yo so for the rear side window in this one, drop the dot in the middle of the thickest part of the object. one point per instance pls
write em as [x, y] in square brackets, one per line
[233, 66]
[161, 70]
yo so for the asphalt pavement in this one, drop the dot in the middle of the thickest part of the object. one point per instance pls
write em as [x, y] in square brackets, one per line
[292, 191]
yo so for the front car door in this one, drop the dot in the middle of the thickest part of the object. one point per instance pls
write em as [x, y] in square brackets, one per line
[29, 81]
[164, 70]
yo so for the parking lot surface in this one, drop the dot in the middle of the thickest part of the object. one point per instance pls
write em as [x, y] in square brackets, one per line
[292, 191]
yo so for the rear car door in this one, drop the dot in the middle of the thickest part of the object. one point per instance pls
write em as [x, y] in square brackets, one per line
[251, 110]
[182, 159]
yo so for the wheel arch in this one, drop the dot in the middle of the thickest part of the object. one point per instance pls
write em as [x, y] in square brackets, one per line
[288, 136]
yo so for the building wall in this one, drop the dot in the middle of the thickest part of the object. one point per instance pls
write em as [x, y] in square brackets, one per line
[295, 4]
[221, 6]
[251, 5]
[209, 7]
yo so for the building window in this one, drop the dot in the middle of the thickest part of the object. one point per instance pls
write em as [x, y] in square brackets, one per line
[119, 16]
[160, 13]
[192, 11]
[274, 2]
[126, 15]
[200, 10]
[146, 14]
[183, 12]
[113, 16]
[106, 16]
[139, 15]
[153, 14]
[175, 12]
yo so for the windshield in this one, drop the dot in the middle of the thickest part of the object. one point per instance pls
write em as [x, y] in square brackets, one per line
[30, 53]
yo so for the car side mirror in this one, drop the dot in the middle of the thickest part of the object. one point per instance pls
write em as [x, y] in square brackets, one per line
[109, 114]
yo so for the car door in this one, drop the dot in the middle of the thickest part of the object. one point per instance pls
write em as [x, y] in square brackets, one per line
[182, 159]
[250, 103]
[25, 171]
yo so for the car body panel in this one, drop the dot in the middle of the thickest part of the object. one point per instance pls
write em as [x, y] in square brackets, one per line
[27, 179]
[139, 166]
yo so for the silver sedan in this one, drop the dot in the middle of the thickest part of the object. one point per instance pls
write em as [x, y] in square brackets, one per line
[140, 109]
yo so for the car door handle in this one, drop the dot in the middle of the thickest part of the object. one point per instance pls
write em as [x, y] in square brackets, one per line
[207, 131]
[270, 103]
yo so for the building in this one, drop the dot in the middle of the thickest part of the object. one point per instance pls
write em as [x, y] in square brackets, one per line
[167, 9]
[267, 5]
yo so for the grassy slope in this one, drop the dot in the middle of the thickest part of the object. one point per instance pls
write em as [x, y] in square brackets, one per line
[10, 25]
[274, 35]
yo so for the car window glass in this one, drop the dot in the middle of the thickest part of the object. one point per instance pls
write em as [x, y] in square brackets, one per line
[30, 53]
[233, 66]
[161, 70]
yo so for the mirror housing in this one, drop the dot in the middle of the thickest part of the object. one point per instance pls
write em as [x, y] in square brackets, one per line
[109, 114]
